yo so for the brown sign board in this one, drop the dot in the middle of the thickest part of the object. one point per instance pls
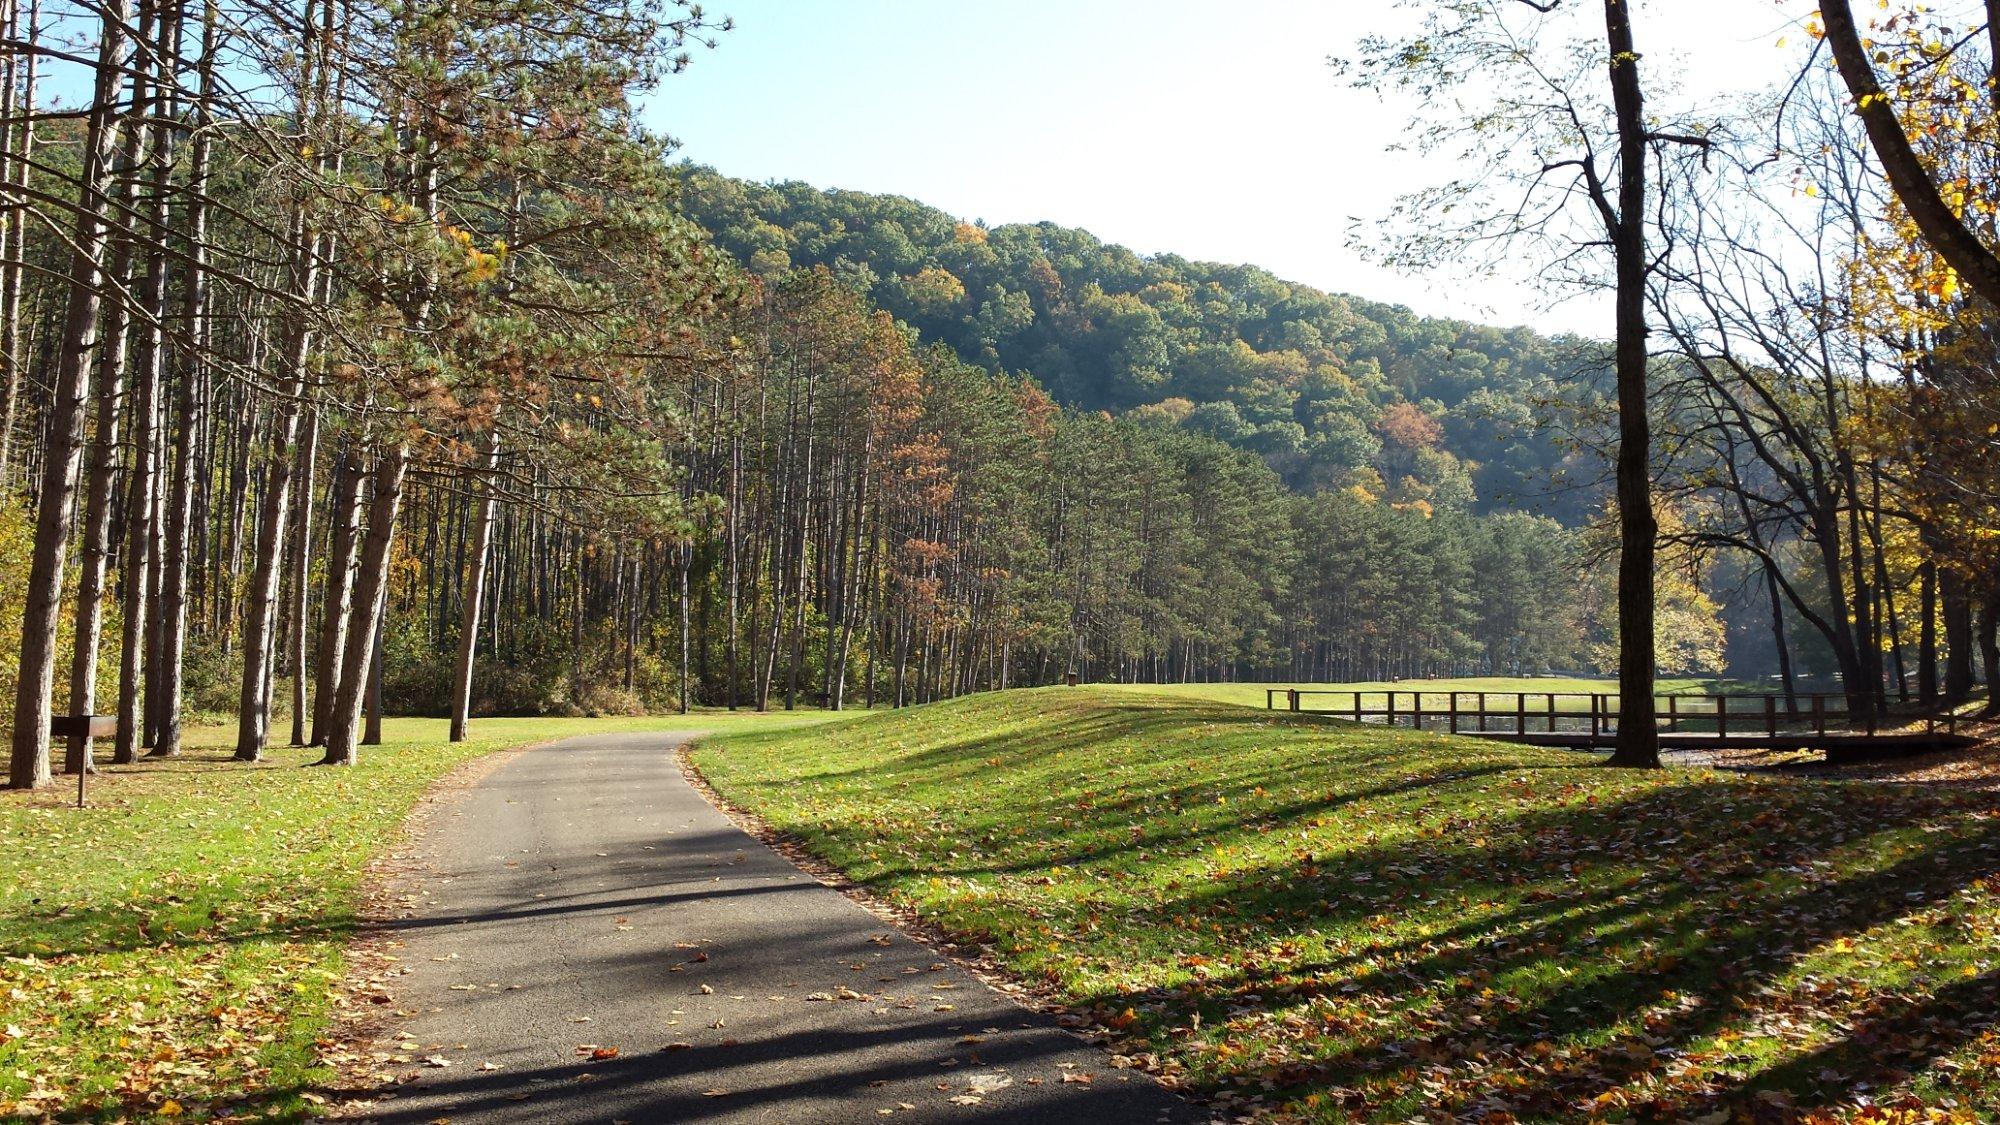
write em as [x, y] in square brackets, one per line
[89, 726]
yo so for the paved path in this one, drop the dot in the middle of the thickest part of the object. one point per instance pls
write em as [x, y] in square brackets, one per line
[584, 897]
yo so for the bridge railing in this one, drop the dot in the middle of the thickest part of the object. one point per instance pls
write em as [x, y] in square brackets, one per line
[1598, 713]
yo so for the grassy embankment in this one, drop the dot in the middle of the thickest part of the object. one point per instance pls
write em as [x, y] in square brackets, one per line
[1351, 922]
[172, 950]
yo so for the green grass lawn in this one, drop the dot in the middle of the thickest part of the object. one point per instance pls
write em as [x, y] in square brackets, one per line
[172, 951]
[1362, 923]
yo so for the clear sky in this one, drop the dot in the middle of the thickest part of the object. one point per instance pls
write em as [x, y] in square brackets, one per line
[1212, 130]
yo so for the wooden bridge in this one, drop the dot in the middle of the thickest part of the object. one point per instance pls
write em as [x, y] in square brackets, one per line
[1589, 720]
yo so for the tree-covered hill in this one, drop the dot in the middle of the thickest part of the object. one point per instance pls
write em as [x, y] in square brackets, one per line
[1334, 391]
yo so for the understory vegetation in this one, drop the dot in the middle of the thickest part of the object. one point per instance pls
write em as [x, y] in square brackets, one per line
[1336, 922]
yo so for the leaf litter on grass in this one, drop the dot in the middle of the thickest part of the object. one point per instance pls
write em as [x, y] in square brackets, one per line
[1303, 916]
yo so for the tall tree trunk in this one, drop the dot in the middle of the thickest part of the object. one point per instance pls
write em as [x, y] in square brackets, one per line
[685, 555]
[96, 551]
[343, 736]
[28, 764]
[148, 360]
[1638, 739]
[371, 728]
[337, 598]
[253, 728]
[1956, 609]
[475, 586]
[302, 574]
[1989, 651]
[191, 411]
[735, 577]
[1778, 638]
[17, 176]
[1927, 662]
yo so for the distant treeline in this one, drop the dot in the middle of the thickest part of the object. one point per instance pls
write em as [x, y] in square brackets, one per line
[1332, 391]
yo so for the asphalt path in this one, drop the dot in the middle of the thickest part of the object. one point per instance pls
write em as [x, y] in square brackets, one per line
[587, 939]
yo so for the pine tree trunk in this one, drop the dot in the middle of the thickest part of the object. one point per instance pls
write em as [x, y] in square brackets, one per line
[96, 552]
[302, 574]
[253, 727]
[371, 729]
[337, 597]
[1955, 608]
[28, 764]
[1927, 662]
[475, 586]
[343, 735]
[735, 577]
[17, 176]
[685, 557]
[148, 360]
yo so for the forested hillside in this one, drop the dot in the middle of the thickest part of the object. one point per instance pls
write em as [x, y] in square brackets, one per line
[1332, 391]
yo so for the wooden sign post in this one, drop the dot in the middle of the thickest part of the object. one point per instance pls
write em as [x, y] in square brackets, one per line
[82, 726]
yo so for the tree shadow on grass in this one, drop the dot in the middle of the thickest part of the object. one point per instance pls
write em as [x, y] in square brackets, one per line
[1593, 952]
[1093, 776]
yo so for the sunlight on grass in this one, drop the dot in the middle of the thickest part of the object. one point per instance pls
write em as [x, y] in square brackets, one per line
[173, 949]
[1387, 924]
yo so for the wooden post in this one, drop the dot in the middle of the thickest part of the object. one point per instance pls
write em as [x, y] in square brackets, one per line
[1292, 695]
[1593, 718]
[1819, 714]
[1521, 712]
[1552, 712]
[1770, 716]
[1482, 712]
[1391, 696]
[1417, 714]
[1357, 706]
[1673, 714]
[1454, 711]
[1721, 715]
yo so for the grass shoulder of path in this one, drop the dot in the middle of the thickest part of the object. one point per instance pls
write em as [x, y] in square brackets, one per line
[1341, 922]
[174, 949]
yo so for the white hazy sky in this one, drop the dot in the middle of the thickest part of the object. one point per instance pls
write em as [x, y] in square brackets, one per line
[1211, 130]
